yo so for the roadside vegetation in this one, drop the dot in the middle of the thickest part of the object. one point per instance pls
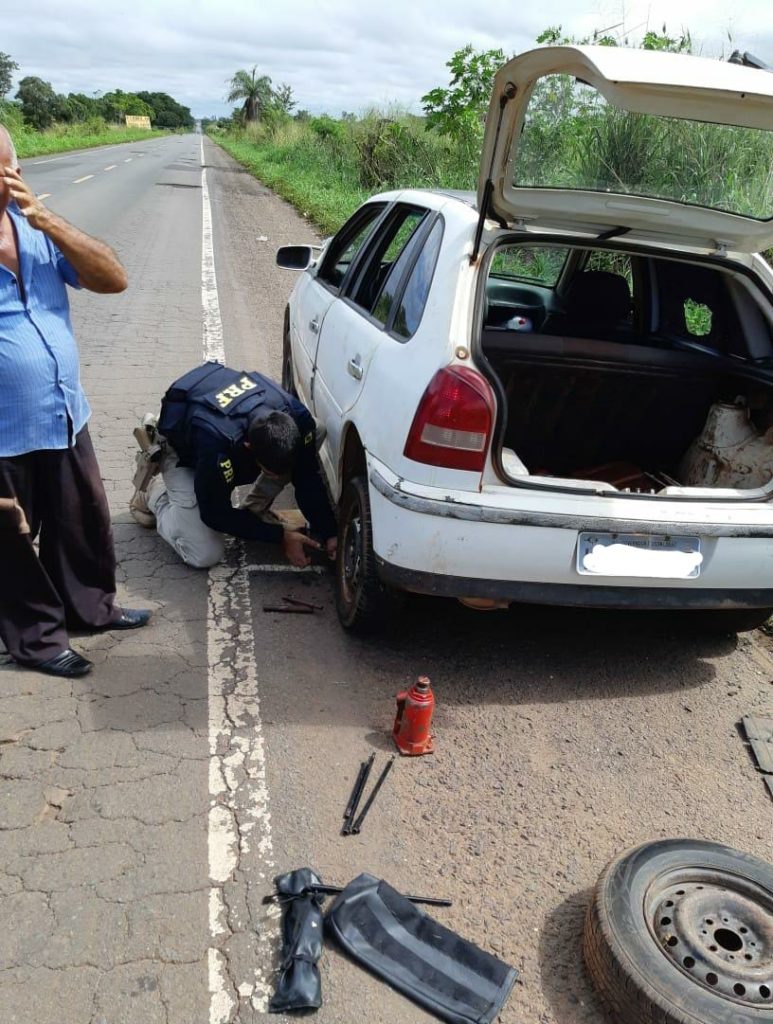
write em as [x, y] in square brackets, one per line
[327, 166]
[43, 121]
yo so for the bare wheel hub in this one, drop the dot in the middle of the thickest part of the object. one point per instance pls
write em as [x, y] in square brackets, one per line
[717, 928]
[352, 557]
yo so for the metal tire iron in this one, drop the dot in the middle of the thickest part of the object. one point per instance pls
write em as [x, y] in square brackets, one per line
[352, 824]
[357, 826]
[356, 794]
[336, 890]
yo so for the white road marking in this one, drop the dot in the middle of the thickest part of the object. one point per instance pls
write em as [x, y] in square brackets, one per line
[112, 167]
[238, 790]
[212, 324]
[44, 195]
[84, 178]
[128, 160]
[50, 160]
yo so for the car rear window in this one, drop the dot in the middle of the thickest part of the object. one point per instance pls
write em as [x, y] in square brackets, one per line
[573, 139]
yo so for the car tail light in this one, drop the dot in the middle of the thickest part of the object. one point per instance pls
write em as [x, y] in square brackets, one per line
[452, 426]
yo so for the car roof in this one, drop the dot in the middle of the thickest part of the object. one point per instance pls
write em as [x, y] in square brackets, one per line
[466, 196]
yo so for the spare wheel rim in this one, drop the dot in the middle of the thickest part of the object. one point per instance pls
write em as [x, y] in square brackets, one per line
[716, 927]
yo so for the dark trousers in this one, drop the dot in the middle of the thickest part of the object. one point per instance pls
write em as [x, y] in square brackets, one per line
[70, 582]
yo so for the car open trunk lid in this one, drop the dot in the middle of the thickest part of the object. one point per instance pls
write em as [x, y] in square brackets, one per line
[725, 214]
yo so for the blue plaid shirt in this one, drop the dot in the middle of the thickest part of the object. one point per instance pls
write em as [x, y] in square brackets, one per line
[42, 404]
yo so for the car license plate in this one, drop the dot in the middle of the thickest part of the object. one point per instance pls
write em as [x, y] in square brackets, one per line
[647, 556]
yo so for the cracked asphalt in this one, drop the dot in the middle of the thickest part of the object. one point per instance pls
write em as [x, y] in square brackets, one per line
[562, 737]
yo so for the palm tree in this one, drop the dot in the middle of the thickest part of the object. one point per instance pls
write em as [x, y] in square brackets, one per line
[254, 89]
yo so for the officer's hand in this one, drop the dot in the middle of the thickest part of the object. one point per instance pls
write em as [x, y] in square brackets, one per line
[331, 547]
[29, 205]
[294, 545]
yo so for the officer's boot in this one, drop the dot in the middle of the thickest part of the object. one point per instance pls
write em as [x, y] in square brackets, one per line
[148, 464]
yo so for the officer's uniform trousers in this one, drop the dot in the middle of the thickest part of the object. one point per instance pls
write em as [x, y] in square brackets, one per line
[69, 582]
[172, 500]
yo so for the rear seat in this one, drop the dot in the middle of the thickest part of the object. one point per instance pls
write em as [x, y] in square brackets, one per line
[597, 304]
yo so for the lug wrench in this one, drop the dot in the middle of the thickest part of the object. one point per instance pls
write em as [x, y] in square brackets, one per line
[303, 604]
[334, 890]
[354, 799]
[355, 828]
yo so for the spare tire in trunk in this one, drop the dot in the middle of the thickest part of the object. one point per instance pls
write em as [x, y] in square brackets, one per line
[680, 931]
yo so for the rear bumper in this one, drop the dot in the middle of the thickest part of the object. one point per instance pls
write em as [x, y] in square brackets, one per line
[577, 595]
[431, 544]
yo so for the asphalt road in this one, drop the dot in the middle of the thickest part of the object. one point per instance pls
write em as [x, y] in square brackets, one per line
[145, 809]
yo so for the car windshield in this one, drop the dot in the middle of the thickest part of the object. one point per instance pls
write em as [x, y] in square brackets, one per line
[573, 139]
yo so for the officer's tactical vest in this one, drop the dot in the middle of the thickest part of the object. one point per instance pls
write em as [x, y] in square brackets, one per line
[223, 400]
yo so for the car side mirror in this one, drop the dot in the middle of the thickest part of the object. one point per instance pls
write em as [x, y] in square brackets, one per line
[295, 257]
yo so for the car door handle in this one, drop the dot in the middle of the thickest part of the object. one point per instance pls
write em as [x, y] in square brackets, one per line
[314, 325]
[354, 369]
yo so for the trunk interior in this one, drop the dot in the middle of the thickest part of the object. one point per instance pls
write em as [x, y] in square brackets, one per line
[593, 394]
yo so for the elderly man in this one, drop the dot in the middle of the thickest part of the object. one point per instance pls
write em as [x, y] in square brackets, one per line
[47, 462]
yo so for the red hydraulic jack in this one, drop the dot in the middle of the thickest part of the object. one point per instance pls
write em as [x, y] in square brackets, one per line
[414, 717]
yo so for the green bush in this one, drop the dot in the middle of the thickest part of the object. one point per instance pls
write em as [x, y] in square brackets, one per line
[328, 167]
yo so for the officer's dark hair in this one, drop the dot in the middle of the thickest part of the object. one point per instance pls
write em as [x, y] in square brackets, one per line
[274, 441]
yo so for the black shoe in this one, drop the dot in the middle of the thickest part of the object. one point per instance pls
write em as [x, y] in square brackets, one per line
[129, 618]
[68, 665]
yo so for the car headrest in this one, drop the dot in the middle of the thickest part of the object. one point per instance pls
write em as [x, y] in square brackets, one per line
[598, 296]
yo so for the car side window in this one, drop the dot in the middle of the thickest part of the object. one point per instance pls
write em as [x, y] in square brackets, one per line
[400, 266]
[347, 243]
[391, 252]
[411, 307]
[695, 306]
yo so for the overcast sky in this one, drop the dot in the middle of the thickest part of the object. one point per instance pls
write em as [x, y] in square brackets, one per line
[336, 54]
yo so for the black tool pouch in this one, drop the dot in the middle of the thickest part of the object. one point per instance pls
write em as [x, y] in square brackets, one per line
[430, 964]
[299, 986]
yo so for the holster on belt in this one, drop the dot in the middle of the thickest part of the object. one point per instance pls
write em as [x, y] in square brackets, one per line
[12, 518]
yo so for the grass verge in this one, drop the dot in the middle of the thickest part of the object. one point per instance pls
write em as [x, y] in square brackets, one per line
[30, 144]
[302, 177]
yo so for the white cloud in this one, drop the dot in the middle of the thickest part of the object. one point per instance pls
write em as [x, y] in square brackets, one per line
[336, 54]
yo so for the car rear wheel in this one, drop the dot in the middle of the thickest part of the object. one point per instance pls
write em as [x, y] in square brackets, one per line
[364, 604]
[681, 932]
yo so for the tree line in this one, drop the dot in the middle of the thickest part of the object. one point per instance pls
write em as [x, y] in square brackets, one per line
[40, 106]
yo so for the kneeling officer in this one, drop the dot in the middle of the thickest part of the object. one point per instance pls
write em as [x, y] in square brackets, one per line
[219, 428]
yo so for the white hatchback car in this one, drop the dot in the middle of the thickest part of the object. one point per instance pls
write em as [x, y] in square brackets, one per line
[559, 390]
